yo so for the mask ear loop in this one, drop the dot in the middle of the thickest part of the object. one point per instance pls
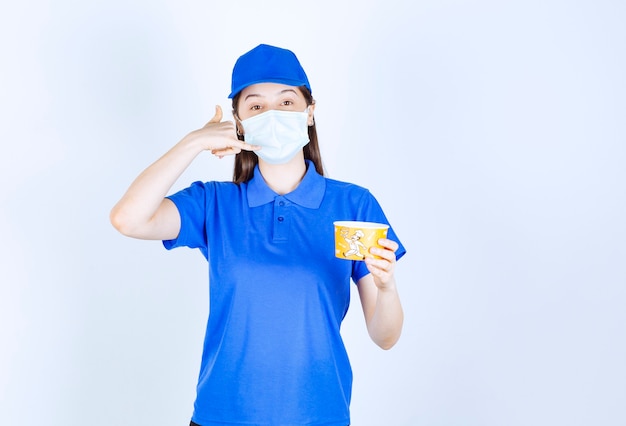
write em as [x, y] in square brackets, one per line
[237, 126]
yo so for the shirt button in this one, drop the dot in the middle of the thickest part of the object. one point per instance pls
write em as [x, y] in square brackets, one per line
[282, 203]
[280, 218]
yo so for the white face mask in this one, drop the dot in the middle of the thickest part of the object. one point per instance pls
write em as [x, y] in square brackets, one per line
[281, 134]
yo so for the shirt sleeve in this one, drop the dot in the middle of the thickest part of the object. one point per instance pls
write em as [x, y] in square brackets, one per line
[371, 211]
[192, 208]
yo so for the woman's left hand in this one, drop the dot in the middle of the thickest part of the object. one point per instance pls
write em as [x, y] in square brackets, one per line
[383, 269]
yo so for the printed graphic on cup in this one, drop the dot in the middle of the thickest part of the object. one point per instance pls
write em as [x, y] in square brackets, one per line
[354, 239]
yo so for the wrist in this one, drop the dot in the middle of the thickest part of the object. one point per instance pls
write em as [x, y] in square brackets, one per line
[388, 287]
[192, 142]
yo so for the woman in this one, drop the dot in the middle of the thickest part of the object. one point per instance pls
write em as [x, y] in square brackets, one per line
[273, 353]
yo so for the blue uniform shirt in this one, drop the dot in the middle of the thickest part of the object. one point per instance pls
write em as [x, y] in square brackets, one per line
[273, 354]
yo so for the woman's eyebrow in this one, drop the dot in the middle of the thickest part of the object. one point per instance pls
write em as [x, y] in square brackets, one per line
[252, 95]
[288, 90]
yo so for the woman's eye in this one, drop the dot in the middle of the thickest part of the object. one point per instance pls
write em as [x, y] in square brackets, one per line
[255, 107]
[287, 103]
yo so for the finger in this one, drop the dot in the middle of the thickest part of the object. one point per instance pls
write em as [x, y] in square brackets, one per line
[218, 115]
[386, 254]
[236, 147]
[389, 244]
[244, 146]
[376, 270]
[373, 262]
[379, 266]
[247, 147]
[225, 151]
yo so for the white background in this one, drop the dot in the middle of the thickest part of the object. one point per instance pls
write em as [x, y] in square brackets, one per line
[493, 133]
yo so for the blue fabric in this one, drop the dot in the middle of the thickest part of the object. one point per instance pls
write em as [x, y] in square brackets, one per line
[273, 354]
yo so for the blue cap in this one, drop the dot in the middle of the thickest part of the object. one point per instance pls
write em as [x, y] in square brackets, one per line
[267, 64]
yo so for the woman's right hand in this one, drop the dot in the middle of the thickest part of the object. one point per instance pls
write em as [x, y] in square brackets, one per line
[220, 137]
[143, 211]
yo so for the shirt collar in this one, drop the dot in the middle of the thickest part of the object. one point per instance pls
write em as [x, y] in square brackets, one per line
[309, 192]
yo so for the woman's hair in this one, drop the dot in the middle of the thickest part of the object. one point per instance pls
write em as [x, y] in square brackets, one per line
[246, 161]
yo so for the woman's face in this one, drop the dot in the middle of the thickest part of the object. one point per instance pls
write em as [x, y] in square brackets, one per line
[262, 97]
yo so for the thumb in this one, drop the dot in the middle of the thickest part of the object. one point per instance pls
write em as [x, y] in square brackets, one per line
[218, 115]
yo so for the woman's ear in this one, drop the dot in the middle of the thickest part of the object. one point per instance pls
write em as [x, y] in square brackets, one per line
[311, 118]
[238, 126]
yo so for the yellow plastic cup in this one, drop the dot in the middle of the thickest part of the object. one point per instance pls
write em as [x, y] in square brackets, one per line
[354, 239]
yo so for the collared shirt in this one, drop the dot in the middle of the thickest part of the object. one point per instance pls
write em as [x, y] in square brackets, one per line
[273, 354]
